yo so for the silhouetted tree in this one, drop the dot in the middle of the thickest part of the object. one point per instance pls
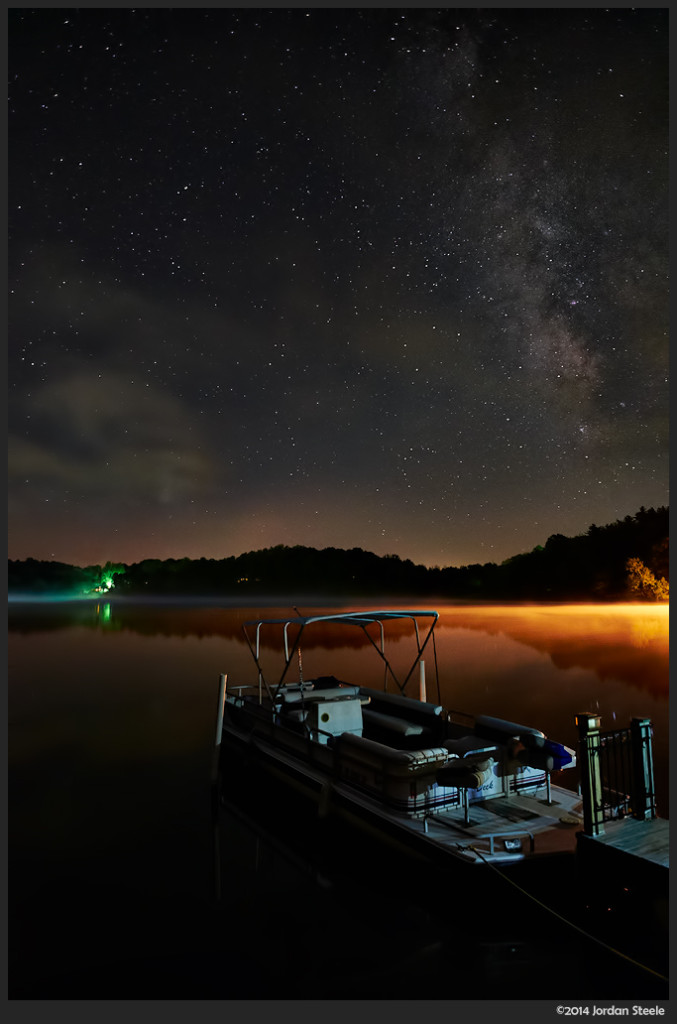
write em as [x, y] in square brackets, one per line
[593, 565]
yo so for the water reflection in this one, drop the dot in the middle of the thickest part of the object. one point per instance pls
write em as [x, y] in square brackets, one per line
[541, 665]
[628, 643]
[111, 729]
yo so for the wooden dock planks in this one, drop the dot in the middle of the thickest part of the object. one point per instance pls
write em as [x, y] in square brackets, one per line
[649, 840]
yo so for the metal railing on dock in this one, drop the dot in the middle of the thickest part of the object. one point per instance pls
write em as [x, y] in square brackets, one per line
[617, 773]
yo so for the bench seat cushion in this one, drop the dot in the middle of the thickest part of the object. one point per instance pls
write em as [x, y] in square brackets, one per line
[396, 725]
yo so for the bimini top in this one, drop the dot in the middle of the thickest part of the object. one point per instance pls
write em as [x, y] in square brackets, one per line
[356, 618]
[359, 618]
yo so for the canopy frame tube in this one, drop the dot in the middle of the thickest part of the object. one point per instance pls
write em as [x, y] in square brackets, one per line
[361, 619]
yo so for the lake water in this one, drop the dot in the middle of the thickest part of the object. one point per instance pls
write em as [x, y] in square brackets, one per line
[111, 729]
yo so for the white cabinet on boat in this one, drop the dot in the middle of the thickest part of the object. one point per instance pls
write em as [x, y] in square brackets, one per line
[334, 717]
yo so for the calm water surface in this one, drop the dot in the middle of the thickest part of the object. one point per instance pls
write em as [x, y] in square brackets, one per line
[111, 727]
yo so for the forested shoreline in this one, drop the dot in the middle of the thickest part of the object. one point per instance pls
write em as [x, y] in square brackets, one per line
[624, 560]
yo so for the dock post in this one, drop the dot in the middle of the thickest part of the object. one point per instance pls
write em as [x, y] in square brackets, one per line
[216, 787]
[589, 749]
[216, 753]
[643, 795]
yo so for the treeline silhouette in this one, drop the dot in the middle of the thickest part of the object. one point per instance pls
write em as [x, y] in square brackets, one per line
[591, 566]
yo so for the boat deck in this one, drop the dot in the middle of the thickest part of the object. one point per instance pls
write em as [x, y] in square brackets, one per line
[552, 826]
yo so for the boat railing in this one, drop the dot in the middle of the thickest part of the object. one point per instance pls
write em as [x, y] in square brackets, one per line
[262, 713]
[492, 836]
[235, 692]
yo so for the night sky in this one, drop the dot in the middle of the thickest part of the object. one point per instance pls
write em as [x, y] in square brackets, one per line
[392, 279]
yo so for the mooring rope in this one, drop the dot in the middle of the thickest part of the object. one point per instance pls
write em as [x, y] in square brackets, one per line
[588, 935]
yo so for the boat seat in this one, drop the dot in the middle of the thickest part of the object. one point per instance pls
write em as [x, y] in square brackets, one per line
[315, 696]
[500, 730]
[399, 725]
[327, 682]
[403, 763]
[471, 746]
[405, 707]
[462, 774]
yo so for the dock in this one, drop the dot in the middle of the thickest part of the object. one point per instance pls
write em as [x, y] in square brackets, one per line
[623, 843]
[646, 840]
[634, 855]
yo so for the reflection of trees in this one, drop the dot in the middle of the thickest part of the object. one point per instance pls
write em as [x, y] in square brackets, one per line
[202, 622]
[632, 648]
[628, 645]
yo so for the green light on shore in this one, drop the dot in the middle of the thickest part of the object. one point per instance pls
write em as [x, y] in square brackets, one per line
[104, 586]
[107, 577]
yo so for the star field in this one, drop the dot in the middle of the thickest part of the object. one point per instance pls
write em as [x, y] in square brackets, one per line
[394, 279]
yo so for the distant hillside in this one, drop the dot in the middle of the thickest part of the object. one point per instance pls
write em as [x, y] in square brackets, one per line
[625, 560]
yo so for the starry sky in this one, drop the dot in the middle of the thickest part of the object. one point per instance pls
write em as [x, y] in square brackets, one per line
[352, 277]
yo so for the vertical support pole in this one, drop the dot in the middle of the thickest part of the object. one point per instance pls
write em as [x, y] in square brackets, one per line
[216, 768]
[219, 708]
[589, 748]
[421, 682]
[643, 795]
[258, 654]
[219, 726]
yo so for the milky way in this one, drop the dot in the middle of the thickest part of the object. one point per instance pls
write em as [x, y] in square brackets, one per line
[392, 279]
